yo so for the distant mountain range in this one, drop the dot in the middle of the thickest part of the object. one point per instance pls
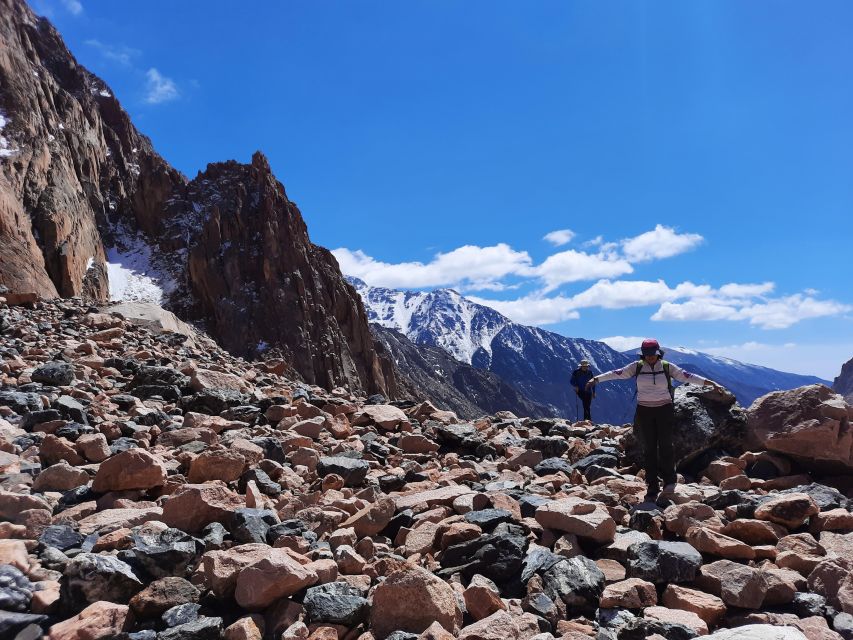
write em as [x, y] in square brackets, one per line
[538, 363]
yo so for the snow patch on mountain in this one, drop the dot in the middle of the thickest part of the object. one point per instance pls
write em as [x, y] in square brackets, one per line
[135, 275]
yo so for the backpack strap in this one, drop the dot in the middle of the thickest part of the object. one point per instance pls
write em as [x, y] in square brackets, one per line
[669, 386]
[639, 366]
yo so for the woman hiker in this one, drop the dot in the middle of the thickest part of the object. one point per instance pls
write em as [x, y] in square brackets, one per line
[655, 416]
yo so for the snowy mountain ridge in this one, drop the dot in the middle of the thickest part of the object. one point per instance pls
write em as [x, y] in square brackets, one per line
[538, 362]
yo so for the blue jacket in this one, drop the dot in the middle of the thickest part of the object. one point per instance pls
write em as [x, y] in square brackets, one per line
[580, 378]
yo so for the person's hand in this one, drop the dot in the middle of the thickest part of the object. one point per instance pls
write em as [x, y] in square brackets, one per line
[590, 384]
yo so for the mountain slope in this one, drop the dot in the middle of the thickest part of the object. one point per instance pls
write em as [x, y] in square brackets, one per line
[536, 363]
[430, 372]
[747, 381]
[87, 207]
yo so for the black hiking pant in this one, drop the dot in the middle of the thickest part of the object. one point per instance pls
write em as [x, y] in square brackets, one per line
[586, 399]
[654, 427]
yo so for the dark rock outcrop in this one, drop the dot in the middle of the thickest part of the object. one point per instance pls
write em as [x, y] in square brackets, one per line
[843, 384]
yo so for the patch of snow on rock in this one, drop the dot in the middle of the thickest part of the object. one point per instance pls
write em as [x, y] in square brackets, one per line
[132, 274]
[6, 148]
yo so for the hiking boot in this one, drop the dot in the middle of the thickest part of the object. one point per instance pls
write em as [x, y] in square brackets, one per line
[669, 487]
[651, 494]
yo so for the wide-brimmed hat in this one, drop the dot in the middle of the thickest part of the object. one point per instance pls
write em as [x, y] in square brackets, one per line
[584, 362]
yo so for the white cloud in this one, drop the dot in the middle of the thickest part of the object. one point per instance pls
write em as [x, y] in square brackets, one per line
[560, 237]
[621, 294]
[159, 88]
[574, 266]
[73, 7]
[663, 242]
[622, 343]
[471, 266]
[734, 290]
[115, 53]
[775, 313]
[781, 313]
[533, 310]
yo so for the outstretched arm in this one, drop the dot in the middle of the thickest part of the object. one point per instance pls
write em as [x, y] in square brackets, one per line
[616, 374]
[691, 378]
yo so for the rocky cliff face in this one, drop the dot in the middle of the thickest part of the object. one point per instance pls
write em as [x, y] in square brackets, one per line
[72, 163]
[83, 193]
[843, 384]
[258, 283]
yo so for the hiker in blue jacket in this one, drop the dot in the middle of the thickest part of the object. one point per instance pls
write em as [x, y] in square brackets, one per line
[655, 415]
[580, 377]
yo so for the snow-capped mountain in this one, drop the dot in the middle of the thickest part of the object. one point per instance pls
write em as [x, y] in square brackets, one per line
[536, 362]
[539, 363]
[746, 381]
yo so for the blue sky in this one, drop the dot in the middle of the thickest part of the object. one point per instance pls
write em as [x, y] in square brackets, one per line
[696, 155]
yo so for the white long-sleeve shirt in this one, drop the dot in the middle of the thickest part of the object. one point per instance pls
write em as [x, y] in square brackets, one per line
[652, 390]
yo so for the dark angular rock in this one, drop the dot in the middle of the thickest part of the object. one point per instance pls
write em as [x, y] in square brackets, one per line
[167, 392]
[538, 561]
[642, 628]
[577, 581]
[123, 444]
[459, 436]
[163, 376]
[252, 525]
[488, 519]
[391, 482]
[601, 460]
[20, 403]
[213, 401]
[529, 503]
[663, 562]
[71, 409]
[272, 449]
[165, 553]
[497, 556]
[336, 603]
[55, 374]
[552, 465]
[286, 528]
[244, 413]
[262, 480]
[551, 447]
[60, 536]
[541, 605]
[827, 498]
[38, 417]
[213, 536]
[181, 614]
[76, 496]
[13, 623]
[201, 629]
[806, 605]
[90, 577]
[16, 590]
[352, 471]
